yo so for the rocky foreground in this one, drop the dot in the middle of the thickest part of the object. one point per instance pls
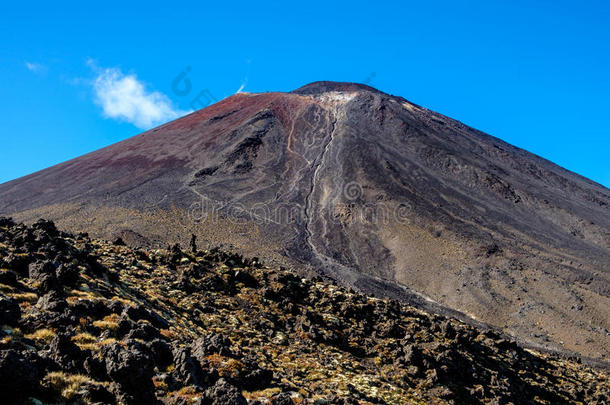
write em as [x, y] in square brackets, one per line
[88, 321]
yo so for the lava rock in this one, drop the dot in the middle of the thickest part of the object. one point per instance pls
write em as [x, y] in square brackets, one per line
[138, 312]
[245, 278]
[143, 331]
[212, 343]
[257, 379]
[6, 222]
[132, 369]
[125, 325]
[95, 394]
[162, 353]
[10, 312]
[19, 264]
[413, 355]
[95, 368]
[335, 400]
[448, 329]
[52, 302]
[19, 378]
[47, 227]
[187, 369]
[66, 353]
[68, 274]
[90, 308]
[283, 399]
[8, 277]
[43, 272]
[223, 393]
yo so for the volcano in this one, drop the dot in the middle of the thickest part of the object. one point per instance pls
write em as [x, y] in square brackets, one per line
[366, 188]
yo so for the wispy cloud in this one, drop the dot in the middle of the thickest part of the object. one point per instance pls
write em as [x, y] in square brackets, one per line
[243, 84]
[35, 67]
[126, 98]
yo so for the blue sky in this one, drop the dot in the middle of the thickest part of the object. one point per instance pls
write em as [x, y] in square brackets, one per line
[75, 76]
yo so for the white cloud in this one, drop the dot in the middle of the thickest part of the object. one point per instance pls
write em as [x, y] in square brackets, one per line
[242, 85]
[125, 98]
[35, 67]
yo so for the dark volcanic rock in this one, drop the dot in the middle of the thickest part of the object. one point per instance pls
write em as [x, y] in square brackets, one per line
[67, 275]
[143, 331]
[132, 368]
[65, 353]
[162, 353]
[19, 377]
[223, 393]
[137, 313]
[118, 242]
[187, 369]
[52, 302]
[96, 368]
[8, 277]
[256, 379]
[18, 264]
[10, 312]
[48, 227]
[44, 273]
[283, 399]
[212, 343]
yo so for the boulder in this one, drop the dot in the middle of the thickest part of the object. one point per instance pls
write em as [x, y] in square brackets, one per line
[19, 264]
[132, 369]
[52, 301]
[10, 312]
[95, 309]
[143, 331]
[257, 379]
[43, 272]
[66, 353]
[283, 399]
[46, 226]
[95, 368]
[8, 277]
[162, 353]
[187, 369]
[223, 393]
[138, 312]
[210, 344]
[19, 377]
[68, 274]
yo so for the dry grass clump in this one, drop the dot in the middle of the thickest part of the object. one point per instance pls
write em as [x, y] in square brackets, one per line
[160, 384]
[84, 292]
[188, 393]
[86, 341]
[42, 336]
[110, 322]
[169, 334]
[25, 297]
[67, 384]
[231, 368]
[6, 288]
[84, 338]
[108, 341]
